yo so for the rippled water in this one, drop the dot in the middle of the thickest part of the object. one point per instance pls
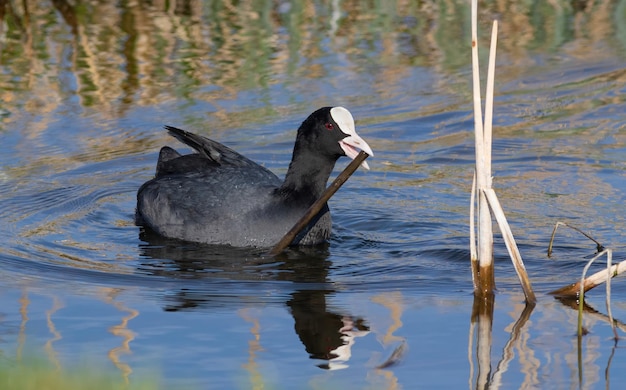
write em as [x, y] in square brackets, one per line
[86, 90]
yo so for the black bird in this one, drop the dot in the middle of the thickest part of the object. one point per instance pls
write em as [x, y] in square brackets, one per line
[218, 196]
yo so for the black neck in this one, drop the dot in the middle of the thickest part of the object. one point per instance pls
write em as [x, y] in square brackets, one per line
[307, 176]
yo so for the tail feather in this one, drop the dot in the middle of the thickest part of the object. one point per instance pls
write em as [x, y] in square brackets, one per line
[210, 149]
[206, 147]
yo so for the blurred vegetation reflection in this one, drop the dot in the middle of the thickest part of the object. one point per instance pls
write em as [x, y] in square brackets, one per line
[111, 55]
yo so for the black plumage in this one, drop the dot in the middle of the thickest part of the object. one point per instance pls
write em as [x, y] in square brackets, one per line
[218, 196]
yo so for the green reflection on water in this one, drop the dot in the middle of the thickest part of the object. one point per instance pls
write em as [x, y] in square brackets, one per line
[113, 56]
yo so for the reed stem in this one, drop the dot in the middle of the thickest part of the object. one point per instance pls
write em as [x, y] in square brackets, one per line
[317, 206]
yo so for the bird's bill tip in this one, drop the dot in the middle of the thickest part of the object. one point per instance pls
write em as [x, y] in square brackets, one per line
[351, 146]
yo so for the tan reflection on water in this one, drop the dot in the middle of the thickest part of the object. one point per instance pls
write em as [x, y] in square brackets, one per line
[21, 338]
[121, 330]
[257, 381]
[56, 334]
[393, 302]
[583, 362]
[383, 377]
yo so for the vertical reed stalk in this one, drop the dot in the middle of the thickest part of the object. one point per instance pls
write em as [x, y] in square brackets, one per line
[484, 284]
[473, 253]
[487, 201]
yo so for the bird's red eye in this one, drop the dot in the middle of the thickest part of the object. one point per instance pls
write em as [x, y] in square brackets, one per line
[329, 126]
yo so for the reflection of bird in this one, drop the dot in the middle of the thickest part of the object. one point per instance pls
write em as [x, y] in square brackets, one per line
[349, 332]
[326, 335]
[213, 276]
[218, 196]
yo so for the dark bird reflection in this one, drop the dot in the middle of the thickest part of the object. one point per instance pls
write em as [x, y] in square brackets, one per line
[326, 334]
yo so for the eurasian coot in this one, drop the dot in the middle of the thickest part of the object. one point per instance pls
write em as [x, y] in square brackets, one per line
[218, 196]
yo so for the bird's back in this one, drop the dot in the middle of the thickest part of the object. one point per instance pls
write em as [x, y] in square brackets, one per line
[218, 196]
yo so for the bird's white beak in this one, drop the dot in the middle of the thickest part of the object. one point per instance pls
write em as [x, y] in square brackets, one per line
[352, 143]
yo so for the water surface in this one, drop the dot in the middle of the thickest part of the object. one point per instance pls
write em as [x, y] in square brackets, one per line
[388, 303]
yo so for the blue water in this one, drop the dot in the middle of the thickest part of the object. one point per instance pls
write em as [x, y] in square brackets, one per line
[391, 293]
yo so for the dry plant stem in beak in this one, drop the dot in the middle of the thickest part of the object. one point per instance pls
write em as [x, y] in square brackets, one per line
[317, 206]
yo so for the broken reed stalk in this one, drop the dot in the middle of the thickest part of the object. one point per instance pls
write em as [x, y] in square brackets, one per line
[487, 202]
[511, 246]
[599, 247]
[317, 206]
[573, 290]
[585, 283]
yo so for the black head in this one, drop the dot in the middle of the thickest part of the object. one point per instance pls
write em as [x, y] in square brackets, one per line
[330, 132]
[323, 137]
